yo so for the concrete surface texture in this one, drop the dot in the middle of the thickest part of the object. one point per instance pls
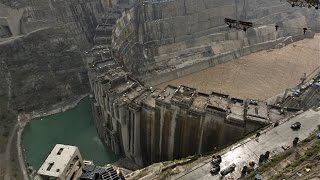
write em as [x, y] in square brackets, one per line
[259, 75]
[64, 162]
[158, 125]
[250, 149]
[158, 39]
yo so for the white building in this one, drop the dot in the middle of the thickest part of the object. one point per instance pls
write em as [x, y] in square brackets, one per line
[63, 163]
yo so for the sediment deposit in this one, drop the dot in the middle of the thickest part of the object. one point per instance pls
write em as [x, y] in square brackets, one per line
[259, 75]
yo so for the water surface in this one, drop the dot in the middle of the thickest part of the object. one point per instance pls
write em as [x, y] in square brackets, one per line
[73, 127]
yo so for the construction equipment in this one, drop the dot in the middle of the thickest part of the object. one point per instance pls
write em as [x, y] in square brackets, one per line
[228, 170]
[238, 24]
[305, 3]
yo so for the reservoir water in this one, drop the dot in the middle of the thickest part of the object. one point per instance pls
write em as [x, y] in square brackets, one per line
[73, 127]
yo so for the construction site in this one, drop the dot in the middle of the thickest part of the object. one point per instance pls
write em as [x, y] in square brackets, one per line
[165, 90]
[176, 83]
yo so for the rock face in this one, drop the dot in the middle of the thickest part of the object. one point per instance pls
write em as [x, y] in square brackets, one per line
[9, 21]
[78, 17]
[45, 67]
[168, 38]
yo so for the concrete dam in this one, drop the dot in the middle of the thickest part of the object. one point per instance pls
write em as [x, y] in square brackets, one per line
[157, 41]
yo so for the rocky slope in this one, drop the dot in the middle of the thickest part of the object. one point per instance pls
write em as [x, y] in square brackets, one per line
[45, 68]
[39, 70]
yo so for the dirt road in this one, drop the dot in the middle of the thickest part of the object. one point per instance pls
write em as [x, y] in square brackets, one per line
[260, 75]
[6, 158]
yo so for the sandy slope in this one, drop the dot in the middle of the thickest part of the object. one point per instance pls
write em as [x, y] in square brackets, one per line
[259, 75]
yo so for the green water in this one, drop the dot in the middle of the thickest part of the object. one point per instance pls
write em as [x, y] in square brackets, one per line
[73, 127]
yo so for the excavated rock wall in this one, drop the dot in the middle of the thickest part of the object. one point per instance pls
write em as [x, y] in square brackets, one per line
[154, 39]
[77, 17]
[9, 21]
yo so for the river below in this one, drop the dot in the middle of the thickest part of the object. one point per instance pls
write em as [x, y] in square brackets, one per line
[73, 127]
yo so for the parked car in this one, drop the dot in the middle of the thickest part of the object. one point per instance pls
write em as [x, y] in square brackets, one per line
[215, 170]
[228, 170]
[261, 158]
[244, 170]
[296, 93]
[317, 84]
[216, 159]
[295, 141]
[296, 126]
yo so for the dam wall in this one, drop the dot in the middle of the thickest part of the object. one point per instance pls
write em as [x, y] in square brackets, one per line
[151, 125]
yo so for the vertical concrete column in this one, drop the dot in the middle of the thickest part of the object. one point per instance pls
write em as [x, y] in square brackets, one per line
[115, 110]
[172, 133]
[114, 120]
[123, 110]
[125, 135]
[110, 104]
[132, 129]
[94, 89]
[105, 109]
[137, 143]
[122, 115]
[202, 126]
[105, 102]
[162, 112]
[96, 92]
[99, 94]
[154, 127]
[111, 108]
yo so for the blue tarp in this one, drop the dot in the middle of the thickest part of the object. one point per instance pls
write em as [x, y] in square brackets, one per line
[258, 177]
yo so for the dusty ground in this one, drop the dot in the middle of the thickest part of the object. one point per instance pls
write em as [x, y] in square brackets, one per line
[260, 75]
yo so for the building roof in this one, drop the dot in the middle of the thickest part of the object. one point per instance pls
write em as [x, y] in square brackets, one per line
[92, 172]
[57, 160]
[184, 95]
[167, 94]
